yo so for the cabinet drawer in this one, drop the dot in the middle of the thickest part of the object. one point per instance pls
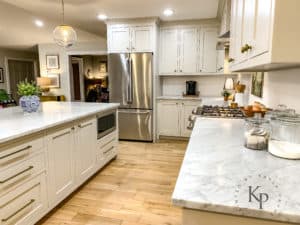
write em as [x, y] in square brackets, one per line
[106, 152]
[107, 139]
[20, 150]
[26, 205]
[16, 174]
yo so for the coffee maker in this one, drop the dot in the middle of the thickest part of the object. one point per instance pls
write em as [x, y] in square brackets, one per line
[191, 87]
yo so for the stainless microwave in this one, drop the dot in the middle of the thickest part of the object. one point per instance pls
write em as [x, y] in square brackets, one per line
[106, 123]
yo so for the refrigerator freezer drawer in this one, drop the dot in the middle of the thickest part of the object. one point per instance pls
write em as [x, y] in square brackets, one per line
[135, 124]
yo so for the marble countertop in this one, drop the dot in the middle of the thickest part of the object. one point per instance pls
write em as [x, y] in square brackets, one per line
[219, 174]
[14, 123]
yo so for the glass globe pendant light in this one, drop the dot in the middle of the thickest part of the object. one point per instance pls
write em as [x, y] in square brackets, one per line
[64, 35]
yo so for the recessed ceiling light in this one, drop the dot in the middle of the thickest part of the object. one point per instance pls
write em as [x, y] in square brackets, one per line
[39, 23]
[168, 12]
[102, 17]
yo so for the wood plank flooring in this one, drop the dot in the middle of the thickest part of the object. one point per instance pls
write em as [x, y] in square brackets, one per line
[134, 189]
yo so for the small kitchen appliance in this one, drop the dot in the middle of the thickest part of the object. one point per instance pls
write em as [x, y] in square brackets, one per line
[191, 87]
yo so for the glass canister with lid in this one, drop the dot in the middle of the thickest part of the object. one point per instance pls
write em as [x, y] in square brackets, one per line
[257, 133]
[285, 136]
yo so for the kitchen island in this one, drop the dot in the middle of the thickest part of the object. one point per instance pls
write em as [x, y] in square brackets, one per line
[222, 182]
[45, 156]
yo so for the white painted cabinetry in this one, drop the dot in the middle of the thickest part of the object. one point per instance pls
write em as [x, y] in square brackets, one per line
[169, 51]
[188, 50]
[173, 117]
[169, 118]
[85, 149]
[61, 164]
[264, 35]
[130, 38]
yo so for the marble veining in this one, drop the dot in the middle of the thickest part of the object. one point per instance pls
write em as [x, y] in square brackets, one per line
[14, 123]
[218, 171]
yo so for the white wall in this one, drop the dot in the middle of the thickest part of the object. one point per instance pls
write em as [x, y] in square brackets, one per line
[78, 49]
[4, 54]
[280, 87]
[209, 86]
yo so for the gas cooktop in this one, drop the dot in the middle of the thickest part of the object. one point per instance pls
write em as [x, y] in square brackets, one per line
[219, 112]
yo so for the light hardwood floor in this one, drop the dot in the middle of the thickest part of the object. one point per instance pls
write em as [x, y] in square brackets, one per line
[134, 189]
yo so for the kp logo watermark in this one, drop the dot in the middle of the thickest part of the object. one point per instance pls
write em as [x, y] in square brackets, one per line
[258, 192]
[259, 197]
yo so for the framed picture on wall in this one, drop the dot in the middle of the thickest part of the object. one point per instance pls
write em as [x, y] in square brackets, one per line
[257, 84]
[55, 80]
[52, 62]
[102, 67]
[1, 75]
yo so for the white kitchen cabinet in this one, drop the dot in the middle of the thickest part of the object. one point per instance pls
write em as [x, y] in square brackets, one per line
[220, 61]
[130, 38]
[208, 50]
[265, 35]
[173, 117]
[142, 39]
[169, 118]
[188, 50]
[85, 148]
[186, 112]
[169, 51]
[119, 39]
[61, 164]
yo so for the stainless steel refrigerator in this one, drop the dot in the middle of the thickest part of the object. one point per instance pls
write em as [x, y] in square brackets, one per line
[130, 84]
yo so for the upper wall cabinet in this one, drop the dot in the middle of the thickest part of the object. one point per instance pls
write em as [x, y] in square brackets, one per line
[264, 35]
[188, 50]
[130, 38]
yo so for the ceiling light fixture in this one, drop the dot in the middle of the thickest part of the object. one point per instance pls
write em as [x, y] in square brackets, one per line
[39, 23]
[168, 12]
[64, 35]
[102, 17]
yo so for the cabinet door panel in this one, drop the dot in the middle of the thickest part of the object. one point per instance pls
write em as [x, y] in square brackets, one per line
[208, 51]
[168, 118]
[248, 26]
[169, 51]
[85, 140]
[61, 164]
[119, 39]
[142, 39]
[262, 26]
[188, 50]
[187, 108]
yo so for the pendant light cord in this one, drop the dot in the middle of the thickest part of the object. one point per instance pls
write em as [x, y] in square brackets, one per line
[63, 11]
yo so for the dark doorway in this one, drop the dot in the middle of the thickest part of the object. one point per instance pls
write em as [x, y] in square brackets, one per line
[76, 81]
[19, 71]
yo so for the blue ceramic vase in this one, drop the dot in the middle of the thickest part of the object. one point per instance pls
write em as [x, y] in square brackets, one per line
[30, 104]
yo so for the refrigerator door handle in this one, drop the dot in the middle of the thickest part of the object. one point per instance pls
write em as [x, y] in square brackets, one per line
[129, 87]
[135, 112]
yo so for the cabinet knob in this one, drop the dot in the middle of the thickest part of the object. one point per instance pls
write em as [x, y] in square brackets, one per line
[246, 48]
[175, 71]
[230, 60]
[180, 71]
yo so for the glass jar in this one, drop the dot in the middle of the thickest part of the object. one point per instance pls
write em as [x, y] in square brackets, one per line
[285, 136]
[257, 133]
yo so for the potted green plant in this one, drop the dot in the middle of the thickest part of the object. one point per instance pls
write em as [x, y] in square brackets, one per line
[29, 93]
[225, 94]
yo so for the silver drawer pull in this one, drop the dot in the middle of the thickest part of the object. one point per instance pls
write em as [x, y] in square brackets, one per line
[110, 149]
[60, 135]
[19, 210]
[21, 150]
[16, 175]
[85, 125]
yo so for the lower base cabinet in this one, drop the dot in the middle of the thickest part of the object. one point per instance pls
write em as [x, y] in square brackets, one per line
[173, 117]
[50, 168]
[25, 204]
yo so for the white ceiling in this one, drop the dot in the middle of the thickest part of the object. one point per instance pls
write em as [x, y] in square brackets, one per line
[18, 30]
